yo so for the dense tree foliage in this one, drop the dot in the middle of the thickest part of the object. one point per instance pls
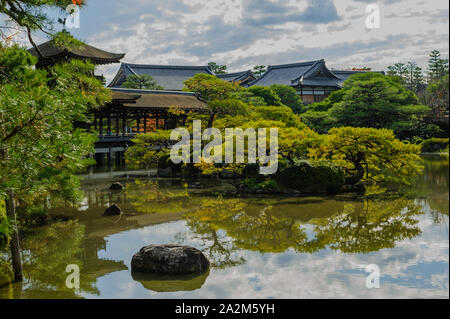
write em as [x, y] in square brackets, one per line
[141, 81]
[370, 100]
[437, 66]
[259, 70]
[217, 69]
[289, 97]
[40, 148]
[371, 155]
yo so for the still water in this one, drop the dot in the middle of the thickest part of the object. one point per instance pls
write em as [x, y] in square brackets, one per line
[259, 247]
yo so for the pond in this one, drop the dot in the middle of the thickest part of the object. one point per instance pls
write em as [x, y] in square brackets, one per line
[259, 247]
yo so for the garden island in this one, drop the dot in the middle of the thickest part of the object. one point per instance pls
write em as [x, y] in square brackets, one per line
[87, 177]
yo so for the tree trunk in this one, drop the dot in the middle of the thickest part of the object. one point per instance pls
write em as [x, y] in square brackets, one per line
[15, 246]
[211, 119]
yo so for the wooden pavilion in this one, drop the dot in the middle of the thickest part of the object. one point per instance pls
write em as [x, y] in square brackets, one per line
[130, 111]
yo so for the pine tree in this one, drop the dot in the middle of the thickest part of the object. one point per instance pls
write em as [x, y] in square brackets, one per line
[437, 67]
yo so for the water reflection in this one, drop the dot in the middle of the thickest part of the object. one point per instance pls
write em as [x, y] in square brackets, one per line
[357, 228]
[46, 254]
[168, 283]
[249, 241]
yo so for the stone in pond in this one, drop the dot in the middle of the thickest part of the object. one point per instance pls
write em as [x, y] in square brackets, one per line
[116, 187]
[169, 259]
[113, 210]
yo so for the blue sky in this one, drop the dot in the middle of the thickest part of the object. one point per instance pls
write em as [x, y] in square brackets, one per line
[244, 33]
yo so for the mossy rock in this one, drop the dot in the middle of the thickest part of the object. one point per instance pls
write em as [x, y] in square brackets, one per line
[312, 177]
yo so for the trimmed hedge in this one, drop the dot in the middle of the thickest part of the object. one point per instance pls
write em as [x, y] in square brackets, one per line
[312, 177]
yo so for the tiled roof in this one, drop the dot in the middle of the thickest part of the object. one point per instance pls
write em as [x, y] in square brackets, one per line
[161, 99]
[169, 77]
[85, 52]
[236, 76]
[344, 74]
[312, 72]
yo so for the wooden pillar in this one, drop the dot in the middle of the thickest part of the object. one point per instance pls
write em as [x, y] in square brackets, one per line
[137, 123]
[109, 131]
[117, 125]
[124, 124]
[101, 125]
[145, 122]
[157, 121]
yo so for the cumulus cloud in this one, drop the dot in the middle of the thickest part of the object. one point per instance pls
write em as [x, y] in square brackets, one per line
[244, 33]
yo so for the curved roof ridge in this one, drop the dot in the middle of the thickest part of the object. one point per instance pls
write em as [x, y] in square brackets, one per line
[290, 65]
[162, 66]
[234, 73]
[260, 78]
[145, 91]
[281, 66]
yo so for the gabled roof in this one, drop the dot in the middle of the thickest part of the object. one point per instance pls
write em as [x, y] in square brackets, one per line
[344, 74]
[236, 76]
[52, 52]
[159, 99]
[168, 76]
[298, 73]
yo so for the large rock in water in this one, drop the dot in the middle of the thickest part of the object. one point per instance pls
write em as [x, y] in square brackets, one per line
[113, 210]
[169, 259]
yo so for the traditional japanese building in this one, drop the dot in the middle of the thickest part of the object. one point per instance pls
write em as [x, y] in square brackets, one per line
[52, 53]
[170, 77]
[312, 80]
[130, 111]
[133, 112]
[243, 78]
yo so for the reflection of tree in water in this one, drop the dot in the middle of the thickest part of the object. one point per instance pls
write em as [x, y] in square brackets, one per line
[204, 222]
[46, 254]
[149, 197]
[378, 225]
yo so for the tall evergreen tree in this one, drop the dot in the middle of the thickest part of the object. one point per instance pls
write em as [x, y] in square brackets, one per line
[437, 66]
[414, 77]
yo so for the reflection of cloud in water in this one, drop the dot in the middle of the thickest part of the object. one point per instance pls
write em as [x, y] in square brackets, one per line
[414, 268]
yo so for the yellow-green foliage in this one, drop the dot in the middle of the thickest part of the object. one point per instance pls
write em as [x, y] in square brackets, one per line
[369, 154]
[6, 273]
[148, 148]
[4, 228]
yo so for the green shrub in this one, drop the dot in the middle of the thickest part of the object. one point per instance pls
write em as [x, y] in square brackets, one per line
[312, 177]
[6, 273]
[267, 185]
[163, 161]
[434, 145]
[4, 226]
